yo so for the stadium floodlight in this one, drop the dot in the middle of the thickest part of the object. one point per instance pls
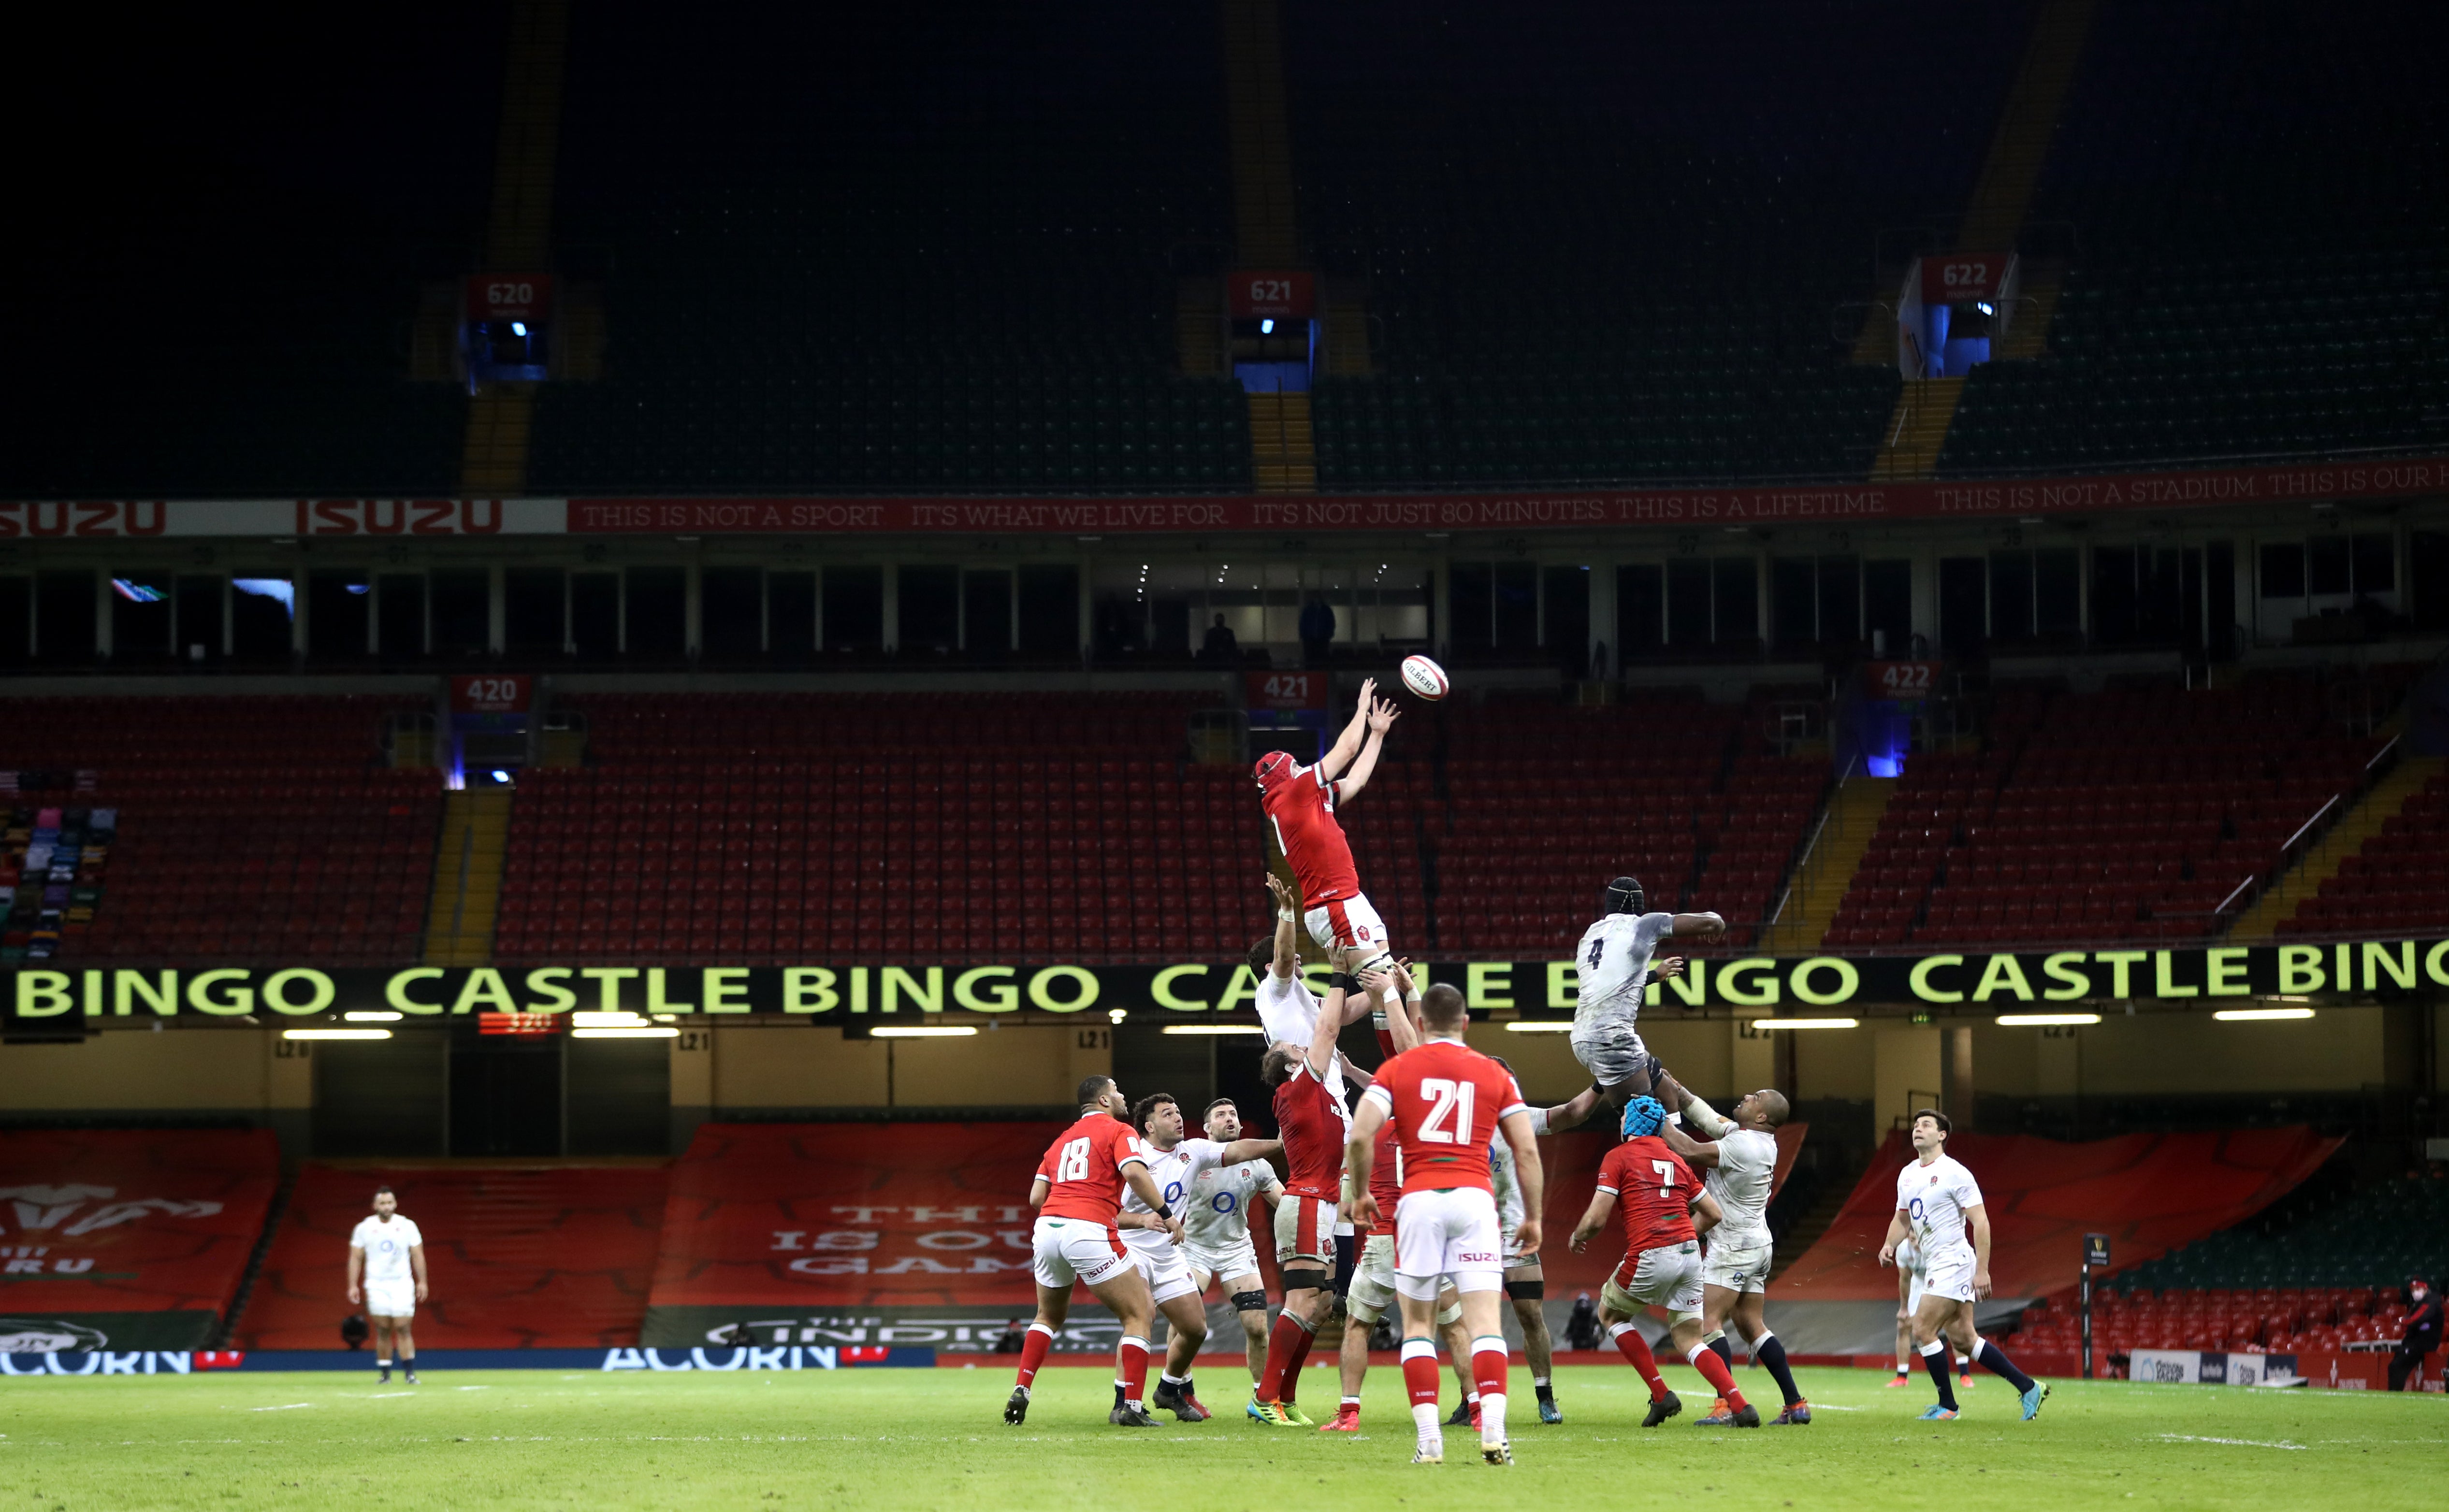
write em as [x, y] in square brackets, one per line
[2022, 1021]
[501, 775]
[1266, 328]
[373, 1016]
[1215, 1028]
[2260, 1015]
[617, 1019]
[1985, 307]
[519, 328]
[631, 1031]
[922, 1031]
[1806, 1024]
[336, 1034]
[1540, 1027]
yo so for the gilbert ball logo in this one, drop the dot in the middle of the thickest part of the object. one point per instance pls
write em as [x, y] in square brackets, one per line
[50, 1337]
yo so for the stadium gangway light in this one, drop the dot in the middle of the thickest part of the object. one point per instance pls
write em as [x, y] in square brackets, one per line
[1540, 1027]
[628, 1032]
[2026, 1020]
[336, 1034]
[1214, 1028]
[923, 1031]
[2260, 1015]
[1806, 1024]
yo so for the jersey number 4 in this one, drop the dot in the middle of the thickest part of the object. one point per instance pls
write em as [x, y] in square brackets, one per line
[1449, 1120]
[1073, 1166]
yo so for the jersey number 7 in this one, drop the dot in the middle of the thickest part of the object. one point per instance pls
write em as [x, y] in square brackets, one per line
[1073, 1166]
[1666, 1169]
[1449, 1120]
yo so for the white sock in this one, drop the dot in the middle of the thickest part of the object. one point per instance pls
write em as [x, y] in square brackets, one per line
[1424, 1418]
[1172, 1379]
[1472, 1397]
[1492, 1417]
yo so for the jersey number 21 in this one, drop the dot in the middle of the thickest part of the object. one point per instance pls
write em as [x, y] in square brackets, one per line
[1449, 1120]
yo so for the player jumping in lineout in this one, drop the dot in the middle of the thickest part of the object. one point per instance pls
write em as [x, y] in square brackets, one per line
[1300, 804]
[1613, 964]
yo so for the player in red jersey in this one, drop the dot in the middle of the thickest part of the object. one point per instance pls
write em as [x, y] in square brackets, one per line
[1311, 1119]
[1661, 1210]
[1446, 1101]
[1300, 804]
[1078, 1193]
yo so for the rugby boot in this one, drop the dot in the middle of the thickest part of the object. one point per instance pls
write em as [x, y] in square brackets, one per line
[1498, 1453]
[1015, 1407]
[1174, 1399]
[1294, 1416]
[1895, 1381]
[1550, 1411]
[411, 1375]
[1937, 1413]
[1347, 1420]
[1266, 1414]
[1796, 1416]
[1429, 1453]
[1127, 1416]
[1661, 1408]
[2033, 1400]
[1747, 1416]
[1718, 1416]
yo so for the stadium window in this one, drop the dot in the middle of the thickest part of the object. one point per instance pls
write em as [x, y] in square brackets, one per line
[2427, 573]
[63, 618]
[2282, 569]
[1887, 606]
[2113, 596]
[1517, 605]
[986, 613]
[139, 619]
[1050, 611]
[1793, 605]
[1735, 584]
[791, 614]
[2011, 596]
[1471, 602]
[1963, 606]
[1687, 602]
[1840, 600]
[854, 608]
[930, 609]
[1392, 605]
[1640, 611]
[2328, 570]
[16, 621]
[202, 605]
[263, 605]
[655, 613]
[1565, 617]
[337, 612]
[595, 615]
[2375, 561]
[534, 611]
[2057, 592]
[2219, 598]
[731, 613]
[462, 615]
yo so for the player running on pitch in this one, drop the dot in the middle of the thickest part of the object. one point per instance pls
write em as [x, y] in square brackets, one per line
[1078, 1193]
[1446, 1101]
[1935, 1198]
[1216, 1229]
[1911, 1272]
[1614, 962]
[1173, 1163]
[1663, 1211]
[1300, 804]
[1741, 1158]
[387, 1254]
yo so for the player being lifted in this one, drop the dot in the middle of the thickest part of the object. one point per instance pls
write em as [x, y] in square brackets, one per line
[1663, 1211]
[1446, 1101]
[1173, 1163]
[1300, 804]
[1935, 1198]
[1216, 1229]
[1613, 963]
[1741, 1158]
[1078, 1193]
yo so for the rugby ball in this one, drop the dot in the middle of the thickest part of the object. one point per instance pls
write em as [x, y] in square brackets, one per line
[1424, 677]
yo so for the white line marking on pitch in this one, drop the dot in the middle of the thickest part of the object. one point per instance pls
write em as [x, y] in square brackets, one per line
[285, 1407]
[2250, 1443]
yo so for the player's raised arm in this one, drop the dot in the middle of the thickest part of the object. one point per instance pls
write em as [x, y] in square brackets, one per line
[1694, 1152]
[1321, 1040]
[1359, 1158]
[1402, 1021]
[1528, 1176]
[1697, 926]
[1288, 957]
[1381, 718]
[1347, 745]
[1563, 1116]
[1240, 1150]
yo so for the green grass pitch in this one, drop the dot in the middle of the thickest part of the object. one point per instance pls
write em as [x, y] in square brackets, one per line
[936, 1439]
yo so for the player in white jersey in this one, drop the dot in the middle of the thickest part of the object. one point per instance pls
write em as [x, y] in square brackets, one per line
[1740, 1161]
[1612, 963]
[1937, 1199]
[1526, 1281]
[1173, 1163]
[1216, 1229]
[1909, 1279]
[387, 1254]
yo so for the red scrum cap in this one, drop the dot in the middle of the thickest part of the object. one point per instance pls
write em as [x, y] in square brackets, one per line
[1274, 769]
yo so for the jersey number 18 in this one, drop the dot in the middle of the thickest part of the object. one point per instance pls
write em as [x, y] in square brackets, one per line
[1073, 1166]
[1449, 1120]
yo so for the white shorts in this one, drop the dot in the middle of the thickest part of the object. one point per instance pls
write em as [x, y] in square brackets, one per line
[1947, 1276]
[1062, 1250]
[1225, 1263]
[390, 1299]
[1164, 1263]
[1372, 1279]
[1667, 1276]
[1735, 1268]
[1610, 1048]
[1912, 1291]
[1305, 1229]
[1449, 1234]
[1347, 924]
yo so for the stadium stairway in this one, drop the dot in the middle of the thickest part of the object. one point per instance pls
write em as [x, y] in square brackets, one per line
[1995, 218]
[2384, 801]
[1917, 429]
[468, 878]
[1820, 883]
[2388, 874]
[1263, 211]
[1284, 454]
[1198, 326]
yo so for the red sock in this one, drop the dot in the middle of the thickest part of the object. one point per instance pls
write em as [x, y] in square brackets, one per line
[1132, 1354]
[1488, 1371]
[1714, 1371]
[1635, 1349]
[1292, 1366]
[1421, 1372]
[1287, 1336]
[1032, 1352]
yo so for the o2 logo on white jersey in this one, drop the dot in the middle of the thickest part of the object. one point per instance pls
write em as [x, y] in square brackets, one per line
[1449, 1120]
[1172, 1194]
[1072, 1165]
[1224, 1202]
